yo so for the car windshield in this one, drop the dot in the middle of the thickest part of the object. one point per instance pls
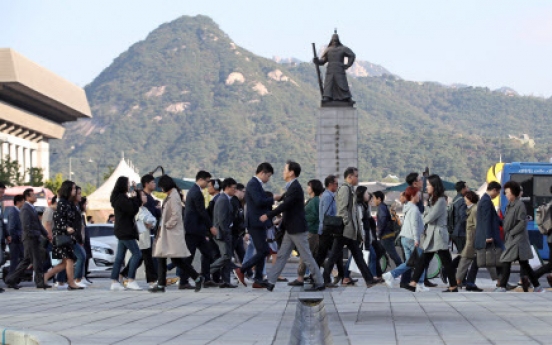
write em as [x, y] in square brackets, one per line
[100, 231]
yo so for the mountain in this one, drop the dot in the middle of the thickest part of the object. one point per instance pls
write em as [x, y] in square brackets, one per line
[188, 98]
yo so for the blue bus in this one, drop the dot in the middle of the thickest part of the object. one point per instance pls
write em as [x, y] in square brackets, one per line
[536, 180]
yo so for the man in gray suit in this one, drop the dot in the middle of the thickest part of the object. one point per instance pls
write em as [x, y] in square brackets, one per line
[223, 216]
[33, 232]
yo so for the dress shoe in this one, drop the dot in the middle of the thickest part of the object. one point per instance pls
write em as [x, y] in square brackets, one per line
[369, 284]
[408, 287]
[240, 276]
[315, 288]
[227, 286]
[199, 283]
[269, 286]
[210, 283]
[549, 278]
[348, 283]
[331, 285]
[296, 283]
[186, 286]
[453, 290]
[260, 285]
[282, 279]
[156, 288]
[473, 288]
[72, 288]
[44, 286]
[429, 284]
[525, 283]
[15, 286]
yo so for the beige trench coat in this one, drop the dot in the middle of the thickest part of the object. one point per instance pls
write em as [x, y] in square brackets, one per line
[170, 241]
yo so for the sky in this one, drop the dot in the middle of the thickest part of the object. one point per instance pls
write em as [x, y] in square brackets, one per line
[480, 43]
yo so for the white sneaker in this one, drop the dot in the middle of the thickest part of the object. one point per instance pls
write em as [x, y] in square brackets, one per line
[388, 278]
[539, 289]
[421, 288]
[84, 282]
[81, 284]
[61, 286]
[133, 286]
[117, 287]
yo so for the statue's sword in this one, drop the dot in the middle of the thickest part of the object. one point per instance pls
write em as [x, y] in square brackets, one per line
[318, 72]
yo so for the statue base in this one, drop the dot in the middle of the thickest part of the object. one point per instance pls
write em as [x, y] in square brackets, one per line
[337, 141]
[349, 103]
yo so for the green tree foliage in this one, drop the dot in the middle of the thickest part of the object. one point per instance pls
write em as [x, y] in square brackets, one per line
[168, 101]
[55, 183]
[108, 173]
[10, 172]
[88, 189]
[36, 177]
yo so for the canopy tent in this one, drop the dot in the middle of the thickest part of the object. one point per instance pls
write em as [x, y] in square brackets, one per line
[401, 187]
[99, 200]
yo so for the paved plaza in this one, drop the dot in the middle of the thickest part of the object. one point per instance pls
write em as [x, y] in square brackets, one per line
[247, 316]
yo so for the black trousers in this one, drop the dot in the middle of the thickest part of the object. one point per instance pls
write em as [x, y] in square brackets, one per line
[325, 244]
[223, 265]
[213, 256]
[194, 243]
[446, 260]
[337, 256]
[546, 268]
[17, 252]
[524, 264]
[147, 259]
[32, 254]
[181, 263]
[237, 245]
[258, 236]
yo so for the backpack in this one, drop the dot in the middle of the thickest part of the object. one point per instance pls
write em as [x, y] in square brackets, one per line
[450, 216]
[544, 218]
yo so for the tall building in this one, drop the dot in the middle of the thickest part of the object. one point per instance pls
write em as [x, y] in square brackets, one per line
[34, 104]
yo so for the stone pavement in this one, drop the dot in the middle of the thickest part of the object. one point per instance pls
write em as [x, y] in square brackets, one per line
[245, 316]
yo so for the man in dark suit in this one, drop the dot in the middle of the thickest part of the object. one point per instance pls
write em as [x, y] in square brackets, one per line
[257, 202]
[294, 224]
[223, 216]
[197, 223]
[4, 236]
[15, 232]
[33, 232]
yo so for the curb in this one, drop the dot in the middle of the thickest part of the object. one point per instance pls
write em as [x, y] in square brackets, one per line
[11, 336]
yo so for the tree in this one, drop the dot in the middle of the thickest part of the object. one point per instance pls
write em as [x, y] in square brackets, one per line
[10, 172]
[36, 177]
[110, 170]
[55, 183]
[88, 189]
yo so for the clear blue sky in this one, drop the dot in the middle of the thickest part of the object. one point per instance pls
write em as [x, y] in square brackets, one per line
[480, 43]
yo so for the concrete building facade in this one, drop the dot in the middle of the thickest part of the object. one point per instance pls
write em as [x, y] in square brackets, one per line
[34, 104]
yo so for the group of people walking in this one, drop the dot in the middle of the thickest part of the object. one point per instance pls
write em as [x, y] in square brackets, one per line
[335, 217]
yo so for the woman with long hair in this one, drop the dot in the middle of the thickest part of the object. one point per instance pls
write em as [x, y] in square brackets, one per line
[64, 219]
[411, 231]
[126, 209]
[436, 236]
[364, 204]
[169, 241]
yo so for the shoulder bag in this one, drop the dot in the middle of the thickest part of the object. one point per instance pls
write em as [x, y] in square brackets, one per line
[489, 257]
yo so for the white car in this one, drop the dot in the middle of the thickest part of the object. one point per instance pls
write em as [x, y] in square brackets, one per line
[104, 246]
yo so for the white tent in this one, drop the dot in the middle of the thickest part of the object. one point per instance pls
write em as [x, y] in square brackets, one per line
[99, 200]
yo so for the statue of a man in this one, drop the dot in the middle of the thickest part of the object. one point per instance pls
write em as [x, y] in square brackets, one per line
[336, 87]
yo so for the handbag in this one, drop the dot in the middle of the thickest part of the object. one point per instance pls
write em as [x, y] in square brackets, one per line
[353, 267]
[489, 257]
[413, 259]
[333, 225]
[63, 240]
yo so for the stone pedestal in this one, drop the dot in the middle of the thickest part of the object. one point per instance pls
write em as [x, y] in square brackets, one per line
[337, 141]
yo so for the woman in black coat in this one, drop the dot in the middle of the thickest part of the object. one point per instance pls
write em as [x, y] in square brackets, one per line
[126, 209]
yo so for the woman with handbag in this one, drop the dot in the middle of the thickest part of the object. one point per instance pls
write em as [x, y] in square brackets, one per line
[411, 231]
[517, 246]
[125, 208]
[436, 237]
[169, 241]
[63, 234]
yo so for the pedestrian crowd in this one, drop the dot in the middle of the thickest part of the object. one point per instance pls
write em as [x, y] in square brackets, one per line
[243, 226]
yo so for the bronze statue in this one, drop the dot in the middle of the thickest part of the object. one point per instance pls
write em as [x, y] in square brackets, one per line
[336, 89]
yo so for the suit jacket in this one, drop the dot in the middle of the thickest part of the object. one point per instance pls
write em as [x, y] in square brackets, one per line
[223, 216]
[257, 203]
[487, 224]
[196, 218]
[32, 227]
[15, 230]
[293, 210]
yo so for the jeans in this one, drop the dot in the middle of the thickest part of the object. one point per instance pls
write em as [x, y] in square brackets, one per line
[389, 245]
[149, 266]
[80, 264]
[258, 237]
[134, 262]
[408, 245]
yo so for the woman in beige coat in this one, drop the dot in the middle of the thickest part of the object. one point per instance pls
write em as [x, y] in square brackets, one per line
[169, 242]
